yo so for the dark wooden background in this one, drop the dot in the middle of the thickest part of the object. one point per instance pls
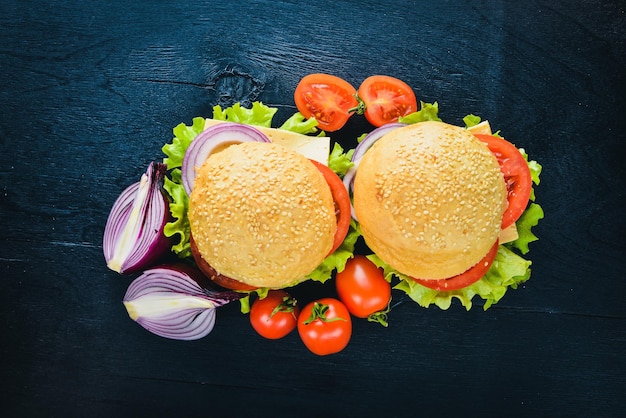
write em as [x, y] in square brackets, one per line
[90, 91]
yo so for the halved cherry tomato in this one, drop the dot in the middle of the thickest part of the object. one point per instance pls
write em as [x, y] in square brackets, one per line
[325, 326]
[342, 203]
[465, 279]
[327, 98]
[362, 287]
[386, 99]
[275, 315]
[516, 175]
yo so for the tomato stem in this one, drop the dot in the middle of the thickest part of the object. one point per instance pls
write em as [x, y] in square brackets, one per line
[319, 311]
[381, 316]
[359, 109]
[288, 305]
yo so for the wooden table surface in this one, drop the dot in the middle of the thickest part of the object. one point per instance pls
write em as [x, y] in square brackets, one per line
[90, 91]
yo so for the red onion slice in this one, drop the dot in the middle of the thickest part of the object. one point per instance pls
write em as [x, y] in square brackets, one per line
[170, 301]
[372, 137]
[133, 236]
[213, 139]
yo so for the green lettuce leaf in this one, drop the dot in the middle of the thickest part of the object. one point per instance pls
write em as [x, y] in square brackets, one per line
[339, 161]
[532, 215]
[428, 111]
[299, 124]
[508, 270]
[471, 120]
[178, 209]
[337, 260]
[183, 135]
[173, 185]
[259, 114]
[529, 218]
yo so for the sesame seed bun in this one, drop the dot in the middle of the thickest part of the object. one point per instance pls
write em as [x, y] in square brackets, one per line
[429, 198]
[262, 214]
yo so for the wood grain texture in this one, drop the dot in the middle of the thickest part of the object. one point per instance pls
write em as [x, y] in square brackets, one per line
[90, 91]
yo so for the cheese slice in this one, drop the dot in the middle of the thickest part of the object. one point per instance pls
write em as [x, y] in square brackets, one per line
[482, 128]
[508, 234]
[314, 147]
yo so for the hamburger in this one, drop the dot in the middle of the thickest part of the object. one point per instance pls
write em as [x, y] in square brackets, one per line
[444, 211]
[429, 198]
[258, 215]
[261, 216]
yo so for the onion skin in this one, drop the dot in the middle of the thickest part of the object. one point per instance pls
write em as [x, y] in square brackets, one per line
[172, 301]
[133, 235]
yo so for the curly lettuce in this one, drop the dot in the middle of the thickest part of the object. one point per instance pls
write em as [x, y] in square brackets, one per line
[179, 205]
[508, 270]
[173, 185]
[340, 161]
[428, 111]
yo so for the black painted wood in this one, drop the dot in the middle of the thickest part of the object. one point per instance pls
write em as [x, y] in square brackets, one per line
[89, 93]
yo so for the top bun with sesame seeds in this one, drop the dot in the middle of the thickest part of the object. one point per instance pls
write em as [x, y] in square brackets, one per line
[261, 215]
[429, 198]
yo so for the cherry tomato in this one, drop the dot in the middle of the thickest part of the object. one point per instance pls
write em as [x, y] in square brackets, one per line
[465, 279]
[386, 99]
[342, 203]
[275, 315]
[516, 175]
[327, 98]
[362, 287]
[325, 326]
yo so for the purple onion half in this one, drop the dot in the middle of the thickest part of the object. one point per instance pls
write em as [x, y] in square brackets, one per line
[133, 235]
[170, 301]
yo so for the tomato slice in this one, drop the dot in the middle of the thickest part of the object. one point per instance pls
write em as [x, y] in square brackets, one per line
[327, 98]
[516, 176]
[342, 203]
[465, 279]
[386, 99]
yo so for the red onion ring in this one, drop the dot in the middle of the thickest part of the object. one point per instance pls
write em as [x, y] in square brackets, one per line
[133, 236]
[213, 139]
[372, 137]
[171, 302]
